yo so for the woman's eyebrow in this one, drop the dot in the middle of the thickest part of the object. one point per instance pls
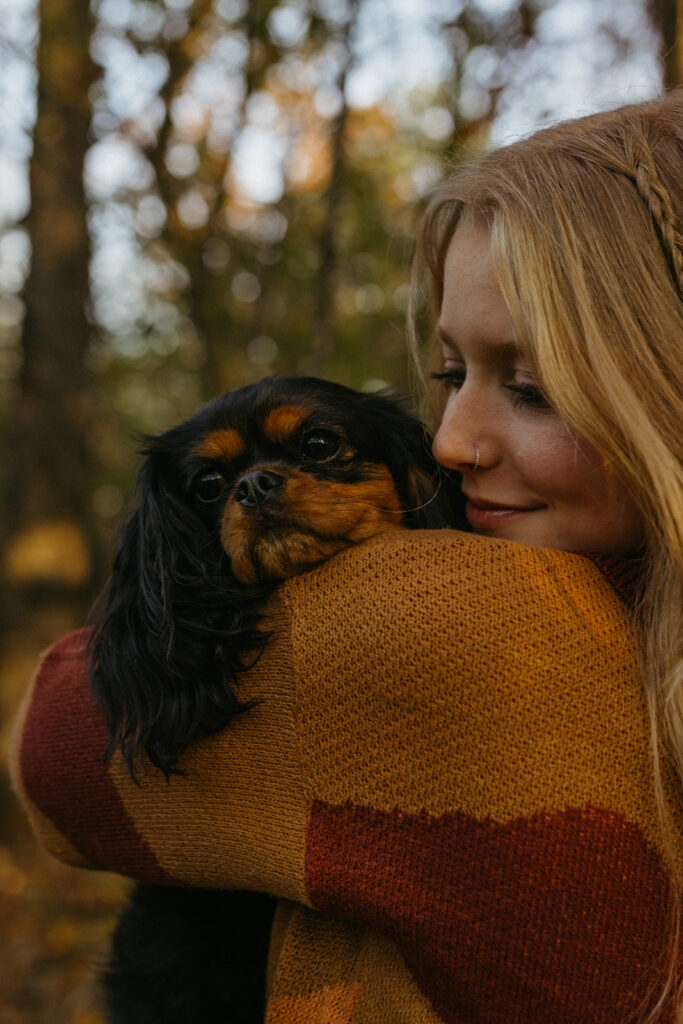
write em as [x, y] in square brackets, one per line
[508, 349]
[444, 337]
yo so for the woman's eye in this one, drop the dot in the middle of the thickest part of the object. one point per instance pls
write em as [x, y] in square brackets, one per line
[526, 395]
[529, 395]
[320, 445]
[208, 486]
[451, 379]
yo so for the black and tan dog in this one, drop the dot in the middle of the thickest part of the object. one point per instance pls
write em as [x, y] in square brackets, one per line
[261, 484]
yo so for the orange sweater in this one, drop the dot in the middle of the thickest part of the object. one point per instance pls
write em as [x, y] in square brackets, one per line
[447, 782]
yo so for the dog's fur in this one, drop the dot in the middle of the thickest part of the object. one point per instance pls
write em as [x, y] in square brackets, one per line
[261, 484]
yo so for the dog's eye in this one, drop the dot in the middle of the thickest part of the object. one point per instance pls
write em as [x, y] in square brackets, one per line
[320, 445]
[208, 486]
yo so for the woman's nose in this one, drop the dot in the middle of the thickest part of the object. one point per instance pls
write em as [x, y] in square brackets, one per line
[456, 443]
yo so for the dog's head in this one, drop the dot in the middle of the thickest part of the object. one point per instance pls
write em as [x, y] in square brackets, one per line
[261, 484]
[291, 470]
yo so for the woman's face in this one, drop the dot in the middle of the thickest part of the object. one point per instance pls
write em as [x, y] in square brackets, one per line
[536, 482]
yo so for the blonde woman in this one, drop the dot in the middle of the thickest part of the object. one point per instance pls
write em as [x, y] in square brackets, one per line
[463, 775]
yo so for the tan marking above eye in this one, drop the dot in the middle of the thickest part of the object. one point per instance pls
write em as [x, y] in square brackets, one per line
[280, 424]
[226, 443]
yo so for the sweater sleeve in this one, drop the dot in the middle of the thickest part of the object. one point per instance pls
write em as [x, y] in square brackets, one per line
[476, 744]
[447, 670]
[448, 763]
[235, 818]
[430, 672]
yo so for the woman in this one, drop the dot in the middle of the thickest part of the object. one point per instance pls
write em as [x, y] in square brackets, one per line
[463, 776]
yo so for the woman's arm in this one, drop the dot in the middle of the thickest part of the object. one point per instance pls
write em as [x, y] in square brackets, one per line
[430, 672]
[241, 794]
[450, 752]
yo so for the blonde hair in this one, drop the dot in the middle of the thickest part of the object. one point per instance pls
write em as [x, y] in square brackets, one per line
[586, 221]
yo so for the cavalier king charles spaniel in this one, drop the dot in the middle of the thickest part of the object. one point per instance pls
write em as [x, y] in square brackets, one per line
[261, 484]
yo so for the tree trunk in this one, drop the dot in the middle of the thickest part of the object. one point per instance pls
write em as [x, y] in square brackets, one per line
[323, 327]
[667, 16]
[49, 563]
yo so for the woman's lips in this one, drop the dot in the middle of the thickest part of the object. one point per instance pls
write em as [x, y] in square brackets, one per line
[485, 515]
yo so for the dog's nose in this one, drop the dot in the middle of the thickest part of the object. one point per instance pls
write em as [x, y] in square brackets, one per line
[256, 488]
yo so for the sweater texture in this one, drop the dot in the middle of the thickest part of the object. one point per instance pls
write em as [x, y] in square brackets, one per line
[446, 780]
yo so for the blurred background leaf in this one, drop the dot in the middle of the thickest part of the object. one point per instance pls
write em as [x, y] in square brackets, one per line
[196, 193]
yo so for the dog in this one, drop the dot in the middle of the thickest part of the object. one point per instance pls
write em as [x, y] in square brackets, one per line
[261, 484]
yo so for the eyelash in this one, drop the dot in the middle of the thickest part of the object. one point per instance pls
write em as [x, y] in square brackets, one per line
[451, 380]
[526, 395]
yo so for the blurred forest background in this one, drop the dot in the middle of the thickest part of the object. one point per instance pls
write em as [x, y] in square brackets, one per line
[193, 194]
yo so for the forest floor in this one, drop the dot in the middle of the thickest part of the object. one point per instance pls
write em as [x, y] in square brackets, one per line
[55, 923]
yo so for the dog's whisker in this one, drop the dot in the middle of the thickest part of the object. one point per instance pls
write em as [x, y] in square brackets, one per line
[399, 512]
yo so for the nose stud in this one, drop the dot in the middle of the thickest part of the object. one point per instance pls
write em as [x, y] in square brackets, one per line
[475, 464]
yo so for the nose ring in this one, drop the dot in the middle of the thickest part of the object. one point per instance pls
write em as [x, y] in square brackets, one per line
[475, 464]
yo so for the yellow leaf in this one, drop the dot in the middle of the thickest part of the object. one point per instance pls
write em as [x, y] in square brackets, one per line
[48, 551]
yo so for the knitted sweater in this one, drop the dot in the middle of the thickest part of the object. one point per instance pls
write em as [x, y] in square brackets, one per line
[447, 782]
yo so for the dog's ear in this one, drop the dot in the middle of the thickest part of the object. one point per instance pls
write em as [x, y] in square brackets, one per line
[160, 667]
[435, 500]
[430, 494]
